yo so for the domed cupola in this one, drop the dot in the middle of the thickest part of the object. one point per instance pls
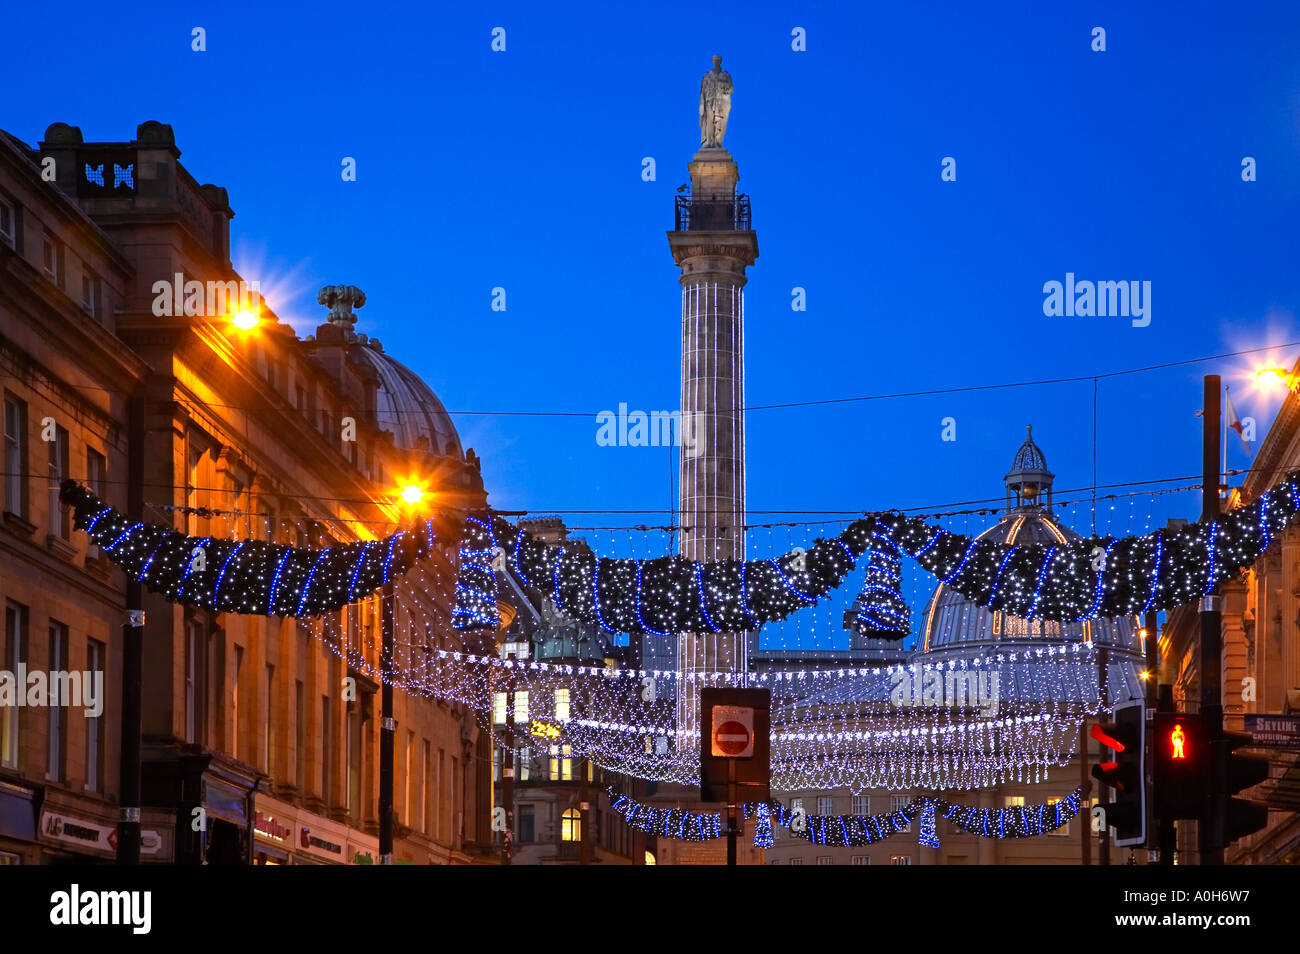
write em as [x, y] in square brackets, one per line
[1029, 482]
[953, 625]
[404, 405]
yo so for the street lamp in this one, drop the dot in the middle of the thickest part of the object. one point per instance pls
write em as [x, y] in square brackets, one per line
[412, 494]
[1277, 376]
[245, 320]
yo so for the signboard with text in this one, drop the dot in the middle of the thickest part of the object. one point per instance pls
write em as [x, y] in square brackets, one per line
[1274, 731]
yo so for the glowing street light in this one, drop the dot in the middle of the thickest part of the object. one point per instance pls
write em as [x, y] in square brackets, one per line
[244, 320]
[412, 493]
[1276, 376]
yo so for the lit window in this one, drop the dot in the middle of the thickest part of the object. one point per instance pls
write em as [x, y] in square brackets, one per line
[1064, 830]
[1015, 801]
[650, 858]
[561, 764]
[900, 859]
[571, 825]
[499, 709]
[525, 758]
[561, 705]
[521, 706]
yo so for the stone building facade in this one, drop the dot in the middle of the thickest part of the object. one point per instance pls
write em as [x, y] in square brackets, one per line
[260, 734]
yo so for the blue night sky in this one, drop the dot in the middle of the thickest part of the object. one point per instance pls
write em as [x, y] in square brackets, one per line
[522, 169]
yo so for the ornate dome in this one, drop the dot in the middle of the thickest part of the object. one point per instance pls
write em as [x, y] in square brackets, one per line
[952, 622]
[408, 408]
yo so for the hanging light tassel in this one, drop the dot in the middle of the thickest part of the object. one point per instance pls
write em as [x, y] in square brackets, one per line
[763, 826]
[929, 835]
[880, 612]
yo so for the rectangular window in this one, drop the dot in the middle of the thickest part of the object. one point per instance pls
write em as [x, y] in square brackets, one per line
[60, 514]
[499, 708]
[327, 749]
[1014, 801]
[8, 223]
[57, 737]
[15, 654]
[825, 860]
[561, 764]
[354, 760]
[561, 705]
[95, 657]
[861, 859]
[193, 476]
[428, 787]
[268, 702]
[796, 861]
[88, 293]
[898, 803]
[443, 787]
[526, 823]
[900, 859]
[236, 728]
[300, 734]
[521, 706]
[410, 780]
[50, 257]
[861, 804]
[15, 456]
[96, 477]
[1064, 830]
[191, 681]
[524, 761]
[825, 805]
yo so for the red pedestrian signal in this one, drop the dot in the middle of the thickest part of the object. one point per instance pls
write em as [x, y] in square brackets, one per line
[1177, 741]
[1180, 765]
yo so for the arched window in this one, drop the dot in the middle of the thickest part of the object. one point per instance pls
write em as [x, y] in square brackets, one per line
[571, 825]
[650, 858]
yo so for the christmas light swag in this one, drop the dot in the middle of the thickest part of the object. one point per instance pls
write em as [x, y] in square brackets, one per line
[1085, 579]
[1021, 821]
[1064, 582]
[254, 577]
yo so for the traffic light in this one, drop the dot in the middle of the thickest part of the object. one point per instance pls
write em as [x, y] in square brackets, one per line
[1126, 737]
[1241, 817]
[1180, 762]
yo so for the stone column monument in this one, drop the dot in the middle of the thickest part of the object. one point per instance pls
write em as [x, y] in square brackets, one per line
[713, 243]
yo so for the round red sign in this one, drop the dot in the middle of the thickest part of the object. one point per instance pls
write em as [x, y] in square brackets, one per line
[732, 737]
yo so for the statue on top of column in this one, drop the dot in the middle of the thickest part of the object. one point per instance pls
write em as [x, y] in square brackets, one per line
[715, 105]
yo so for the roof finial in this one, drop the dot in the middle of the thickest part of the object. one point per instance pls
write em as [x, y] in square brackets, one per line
[340, 300]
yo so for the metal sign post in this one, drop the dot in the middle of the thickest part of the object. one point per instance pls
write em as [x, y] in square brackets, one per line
[735, 752]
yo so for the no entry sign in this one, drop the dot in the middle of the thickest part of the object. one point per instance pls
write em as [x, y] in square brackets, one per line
[733, 732]
[735, 746]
